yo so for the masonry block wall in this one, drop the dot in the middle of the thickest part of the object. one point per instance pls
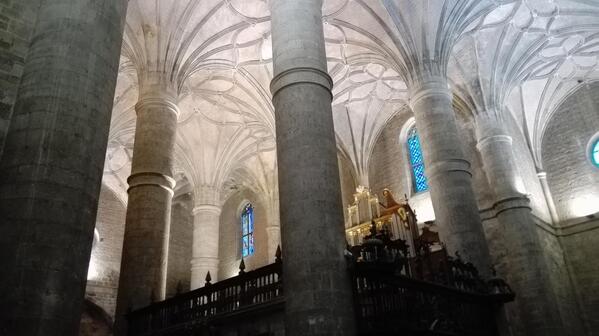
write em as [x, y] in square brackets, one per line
[574, 183]
[388, 160]
[105, 262]
[230, 234]
[17, 20]
[573, 179]
[180, 245]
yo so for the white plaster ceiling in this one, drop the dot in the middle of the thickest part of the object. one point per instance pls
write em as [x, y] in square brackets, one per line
[524, 54]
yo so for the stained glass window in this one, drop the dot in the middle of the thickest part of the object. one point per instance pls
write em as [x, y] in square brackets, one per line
[417, 161]
[595, 153]
[247, 231]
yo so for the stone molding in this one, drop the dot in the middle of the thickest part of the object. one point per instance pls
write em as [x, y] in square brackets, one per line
[301, 75]
[204, 262]
[484, 142]
[452, 165]
[207, 209]
[160, 101]
[152, 179]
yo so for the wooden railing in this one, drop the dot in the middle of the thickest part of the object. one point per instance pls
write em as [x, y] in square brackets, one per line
[192, 310]
[391, 304]
[427, 294]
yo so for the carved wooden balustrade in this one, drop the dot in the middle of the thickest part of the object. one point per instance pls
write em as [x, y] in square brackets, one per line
[388, 304]
[191, 313]
[394, 293]
[429, 293]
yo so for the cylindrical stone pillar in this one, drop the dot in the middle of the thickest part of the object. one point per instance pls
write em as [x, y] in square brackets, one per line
[51, 169]
[205, 244]
[548, 197]
[317, 285]
[448, 172]
[536, 311]
[147, 226]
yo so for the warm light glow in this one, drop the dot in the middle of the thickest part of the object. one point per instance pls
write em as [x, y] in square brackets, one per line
[584, 205]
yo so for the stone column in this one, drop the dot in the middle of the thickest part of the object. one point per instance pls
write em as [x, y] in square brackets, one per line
[51, 169]
[536, 308]
[273, 235]
[548, 197]
[206, 224]
[145, 247]
[317, 285]
[273, 229]
[448, 172]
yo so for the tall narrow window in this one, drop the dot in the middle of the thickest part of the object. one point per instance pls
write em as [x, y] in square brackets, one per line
[595, 153]
[247, 231]
[416, 161]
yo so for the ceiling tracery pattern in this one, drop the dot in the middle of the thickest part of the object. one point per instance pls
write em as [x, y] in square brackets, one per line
[217, 55]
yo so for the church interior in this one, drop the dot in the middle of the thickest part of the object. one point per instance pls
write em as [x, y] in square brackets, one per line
[299, 167]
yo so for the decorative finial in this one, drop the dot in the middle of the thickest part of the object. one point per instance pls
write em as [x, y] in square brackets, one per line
[278, 254]
[208, 279]
[241, 267]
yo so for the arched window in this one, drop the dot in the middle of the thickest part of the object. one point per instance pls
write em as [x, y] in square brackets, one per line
[247, 231]
[595, 153]
[416, 161]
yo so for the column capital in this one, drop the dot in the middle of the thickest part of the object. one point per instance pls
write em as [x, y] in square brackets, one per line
[151, 178]
[426, 87]
[207, 208]
[156, 90]
[206, 196]
[489, 124]
[301, 75]
[542, 174]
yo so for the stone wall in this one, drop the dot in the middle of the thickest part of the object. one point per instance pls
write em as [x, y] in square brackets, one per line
[105, 262]
[574, 184]
[573, 180]
[180, 245]
[230, 234]
[581, 251]
[389, 167]
[17, 20]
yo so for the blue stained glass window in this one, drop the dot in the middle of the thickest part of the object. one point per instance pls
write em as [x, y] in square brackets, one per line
[595, 153]
[247, 231]
[417, 161]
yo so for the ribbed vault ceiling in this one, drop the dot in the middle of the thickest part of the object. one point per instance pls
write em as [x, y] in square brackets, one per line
[512, 56]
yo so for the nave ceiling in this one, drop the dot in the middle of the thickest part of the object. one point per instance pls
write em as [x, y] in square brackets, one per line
[502, 56]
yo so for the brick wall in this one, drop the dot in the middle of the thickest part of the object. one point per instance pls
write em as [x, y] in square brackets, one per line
[17, 20]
